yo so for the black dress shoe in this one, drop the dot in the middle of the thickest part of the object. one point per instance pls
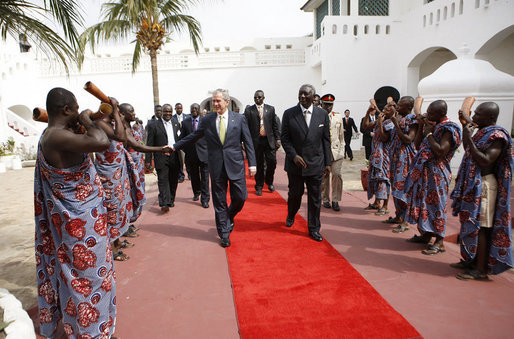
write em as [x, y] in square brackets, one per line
[225, 242]
[335, 206]
[258, 191]
[289, 222]
[326, 204]
[180, 180]
[172, 204]
[271, 188]
[205, 204]
[196, 197]
[316, 236]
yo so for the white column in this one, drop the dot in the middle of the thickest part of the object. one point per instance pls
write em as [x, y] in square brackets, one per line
[354, 8]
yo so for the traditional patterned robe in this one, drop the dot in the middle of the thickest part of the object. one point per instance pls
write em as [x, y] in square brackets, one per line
[402, 156]
[379, 164]
[137, 172]
[112, 168]
[428, 183]
[75, 273]
[467, 196]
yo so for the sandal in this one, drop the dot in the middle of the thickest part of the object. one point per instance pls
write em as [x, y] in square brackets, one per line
[381, 211]
[133, 228]
[418, 240]
[371, 207]
[120, 256]
[130, 234]
[126, 244]
[462, 265]
[433, 249]
[400, 229]
[392, 220]
[472, 275]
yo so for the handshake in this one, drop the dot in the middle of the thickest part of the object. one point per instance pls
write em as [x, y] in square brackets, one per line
[167, 149]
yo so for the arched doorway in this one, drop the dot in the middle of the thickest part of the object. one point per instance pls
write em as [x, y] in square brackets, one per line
[498, 50]
[424, 64]
[234, 105]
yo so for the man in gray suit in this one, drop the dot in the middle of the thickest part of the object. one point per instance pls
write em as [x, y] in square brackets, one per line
[306, 140]
[224, 131]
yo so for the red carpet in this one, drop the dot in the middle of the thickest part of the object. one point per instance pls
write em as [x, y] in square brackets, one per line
[286, 285]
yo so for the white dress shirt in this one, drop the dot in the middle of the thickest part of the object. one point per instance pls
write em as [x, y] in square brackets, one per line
[168, 125]
[309, 114]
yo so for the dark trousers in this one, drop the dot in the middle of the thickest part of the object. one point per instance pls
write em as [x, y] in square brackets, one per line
[167, 180]
[266, 157]
[367, 149]
[294, 198]
[225, 214]
[347, 148]
[199, 172]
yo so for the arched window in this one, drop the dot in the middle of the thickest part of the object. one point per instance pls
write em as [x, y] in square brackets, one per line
[345, 29]
[452, 12]
[355, 30]
[445, 13]
[388, 29]
[461, 7]
[334, 29]
[377, 29]
[366, 29]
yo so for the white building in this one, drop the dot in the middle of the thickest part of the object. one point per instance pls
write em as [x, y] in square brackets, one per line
[439, 49]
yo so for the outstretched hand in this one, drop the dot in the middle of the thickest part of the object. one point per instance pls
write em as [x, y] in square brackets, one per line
[298, 161]
[167, 149]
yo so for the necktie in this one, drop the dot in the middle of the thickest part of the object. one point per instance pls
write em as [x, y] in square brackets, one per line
[222, 130]
[307, 117]
[195, 125]
[261, 128]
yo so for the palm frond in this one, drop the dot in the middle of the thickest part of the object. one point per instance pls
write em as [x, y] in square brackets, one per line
[68, 14]
[181, 22]
[137, 56]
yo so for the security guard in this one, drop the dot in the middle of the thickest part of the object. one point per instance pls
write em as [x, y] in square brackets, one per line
[337, 148]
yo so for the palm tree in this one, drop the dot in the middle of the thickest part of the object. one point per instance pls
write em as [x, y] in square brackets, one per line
[152, 21]
[22, 19]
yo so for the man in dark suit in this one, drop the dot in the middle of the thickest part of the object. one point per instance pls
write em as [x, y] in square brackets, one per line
[367, 134]
[148, 156]
[306, 140]
[196, 158]
[165, 132]
[179, 118]
[263, 127]
[224, 131]
[348, 125]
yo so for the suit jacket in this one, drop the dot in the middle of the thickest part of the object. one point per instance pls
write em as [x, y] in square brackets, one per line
[270, 123]
[348, 127]
[366, 134]
[157, 136]
[311, 143]
[228, 155]
[336, 135]
[197, 151]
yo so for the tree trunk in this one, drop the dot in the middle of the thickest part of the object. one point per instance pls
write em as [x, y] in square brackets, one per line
[155, 78]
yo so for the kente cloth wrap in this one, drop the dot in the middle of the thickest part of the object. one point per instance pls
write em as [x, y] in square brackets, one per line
[379, 163]
[74, 265]
[427, 185]
[137, 183]
[402, 156]
[467, 196]
[112, 168]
